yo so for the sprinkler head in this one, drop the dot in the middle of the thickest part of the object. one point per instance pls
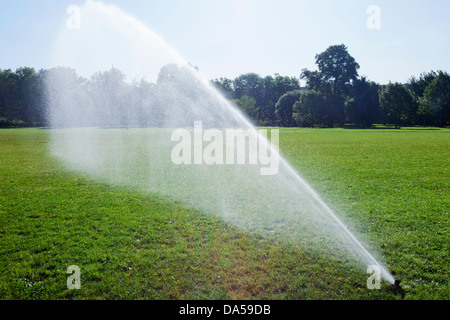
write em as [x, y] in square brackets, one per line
[397, 284]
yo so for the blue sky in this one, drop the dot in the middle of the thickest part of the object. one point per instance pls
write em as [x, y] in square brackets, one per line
[225, 38]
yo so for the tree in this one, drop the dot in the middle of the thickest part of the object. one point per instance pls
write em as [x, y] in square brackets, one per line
[225, 86]
[265, 91]
[28, 99]
[418, 86]
[141, 99]
[68, 98]
[284, 108]
[397, 104]
[310, 109]
[251, 85]
[21, 102]
[437, 97]
[248, 106]
[314, 81]
[274, 87]
[109, 95]
[425, 113]
[8, 83]
[337, 67]
[363, 107]
[337, 71]
[182, 98]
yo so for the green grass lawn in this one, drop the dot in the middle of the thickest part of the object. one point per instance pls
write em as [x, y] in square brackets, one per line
[390, 185]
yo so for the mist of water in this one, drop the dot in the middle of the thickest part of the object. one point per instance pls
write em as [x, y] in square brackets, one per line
[126, 138]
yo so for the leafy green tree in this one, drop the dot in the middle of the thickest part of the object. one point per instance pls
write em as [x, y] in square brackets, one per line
[109, 95]
[251, 85]
[337, 71]
[181, 98]
[397, 104]
[274, 87]
[338, 68]
[314, 81]
[142, 101]
[27, 96]
[437, 96]
[426, 112]
[310, 109]
[8, 83]
[225, 86]
[63, 87]
[418, 86]
[248, 106]
[265, 91]
[20, 98]
[284, 108]
[363, 108]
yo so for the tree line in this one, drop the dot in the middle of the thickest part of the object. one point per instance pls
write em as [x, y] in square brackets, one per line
[334, 94]
[21, 100]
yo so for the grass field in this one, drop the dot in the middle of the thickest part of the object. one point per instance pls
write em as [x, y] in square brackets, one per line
[392, 185]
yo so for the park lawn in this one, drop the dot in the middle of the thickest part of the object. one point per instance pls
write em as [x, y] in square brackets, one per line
[391, 186]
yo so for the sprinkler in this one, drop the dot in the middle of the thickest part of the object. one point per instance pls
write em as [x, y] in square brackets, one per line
[398, 289]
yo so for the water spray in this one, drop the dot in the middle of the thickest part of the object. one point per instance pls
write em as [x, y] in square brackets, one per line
[283, 203]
